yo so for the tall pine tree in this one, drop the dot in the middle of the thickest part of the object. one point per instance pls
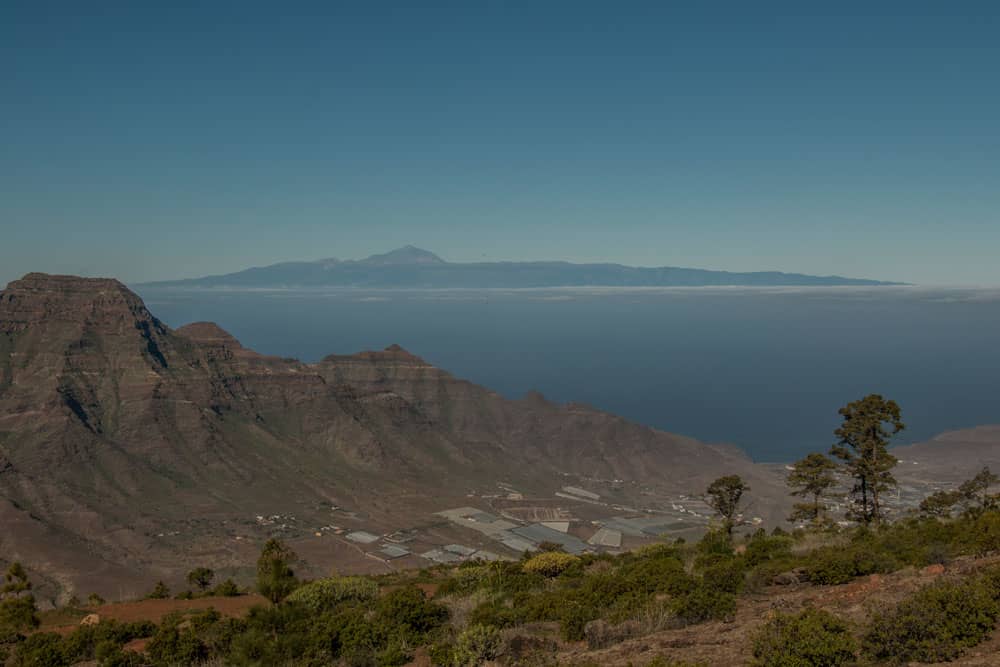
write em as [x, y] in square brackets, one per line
[863, 439]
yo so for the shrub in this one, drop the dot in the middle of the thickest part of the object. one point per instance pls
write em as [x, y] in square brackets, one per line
[110, 654]
[985, 533]
[836, 565]
[17, 614]
[713, 546]
[762, 548]
[325, 594]
[574, 620]
[549, 563]
[728, 575]
[159, 592]
[662, 572]
[704, 603]
[410, 610]
[201, 577]
[81, 644]
[494, 613]
[43, 649]
[813, 638]
[174, 645]
[227, 589]
[476, 645]
[935, 624]
[468, 579]
[395, 654]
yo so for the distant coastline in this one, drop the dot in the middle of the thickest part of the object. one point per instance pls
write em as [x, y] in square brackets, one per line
[414, 268]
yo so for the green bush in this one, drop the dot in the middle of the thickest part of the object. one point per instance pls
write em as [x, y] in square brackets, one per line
[495, 613]
[325, 594]
[550, 563]
[394, 654]
[227, 589]
[984, 534]
[727, 575]
[159, 592]
[81, 644]
[713, 546]
[175, 645]
[839, 565]
[42, 649]
[703, 603]
[467, 579]
[662, 572]
[110, 654]
[409, 610]
[476, 645]
[812, 638]
[761, 548]
[17, 615]
[935, 624]
[573, 621]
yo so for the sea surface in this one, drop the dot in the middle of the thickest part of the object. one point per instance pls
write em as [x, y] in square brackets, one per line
[762, 368]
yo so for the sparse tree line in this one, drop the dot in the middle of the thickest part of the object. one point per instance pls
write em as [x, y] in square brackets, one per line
[862, 445]
[200, 582]
[477, 611]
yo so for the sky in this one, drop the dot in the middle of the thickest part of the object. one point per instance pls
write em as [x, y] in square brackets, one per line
[190, 138]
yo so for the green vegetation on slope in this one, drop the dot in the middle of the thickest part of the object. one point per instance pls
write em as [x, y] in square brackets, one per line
[521, 612]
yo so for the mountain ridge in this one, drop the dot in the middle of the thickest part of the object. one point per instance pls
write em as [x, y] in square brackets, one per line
[410, 266]
[133, 450]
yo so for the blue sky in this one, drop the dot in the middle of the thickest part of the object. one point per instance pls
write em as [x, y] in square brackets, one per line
[148, 143]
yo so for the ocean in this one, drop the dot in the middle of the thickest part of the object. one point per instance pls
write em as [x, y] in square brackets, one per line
[762, 368]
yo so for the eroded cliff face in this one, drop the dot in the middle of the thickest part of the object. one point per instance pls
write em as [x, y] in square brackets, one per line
[570, 438]
[116, 430]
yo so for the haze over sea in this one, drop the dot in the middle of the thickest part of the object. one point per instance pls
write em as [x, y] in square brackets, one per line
[761, 368]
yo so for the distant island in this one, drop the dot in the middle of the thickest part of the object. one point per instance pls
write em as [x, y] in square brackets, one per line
[411, 267]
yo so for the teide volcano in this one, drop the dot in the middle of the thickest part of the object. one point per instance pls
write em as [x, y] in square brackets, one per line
[130, 451]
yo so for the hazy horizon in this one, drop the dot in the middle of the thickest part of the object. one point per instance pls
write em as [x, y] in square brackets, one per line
[160, 143]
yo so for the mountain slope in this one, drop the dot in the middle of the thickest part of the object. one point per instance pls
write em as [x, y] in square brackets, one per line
[134, 450]
[412, 267]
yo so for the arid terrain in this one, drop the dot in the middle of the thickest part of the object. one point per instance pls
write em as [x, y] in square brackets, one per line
[130, 451]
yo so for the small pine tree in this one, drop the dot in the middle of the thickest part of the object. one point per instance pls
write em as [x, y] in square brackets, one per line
[15, 581]
[18, 612]
[939, 503]
[159, 592]
[811, 477]
[724, 495]
[201, 577]
[275, 577]
[974, 493]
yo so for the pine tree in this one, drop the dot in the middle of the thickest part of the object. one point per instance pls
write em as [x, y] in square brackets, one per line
[863, 438]
[811, 477]
[15, 581]
[275, 578]
[724, 496]
[974, 493]
[201, 577]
